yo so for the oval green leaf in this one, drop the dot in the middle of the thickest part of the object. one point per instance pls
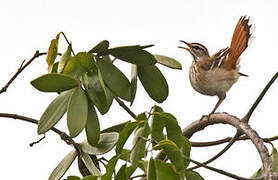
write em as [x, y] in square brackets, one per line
[102, 46]
[167, 61]
[124, 135]
[165, 171]
[90, 164]
[64, 60]
[173, 130]
[52, 52]
[106, 142]
[121, 174]
[132, 54]
[54, 83]
[151, 171]
[87, 61]
[54, 112]
[173, 153]
[138, 151]
[193, 175]
[115, 79]
[77, 112]
[117, 128]
[92, 126]
[63, 166]
[153, 82]
[97, 91]
[73, 68]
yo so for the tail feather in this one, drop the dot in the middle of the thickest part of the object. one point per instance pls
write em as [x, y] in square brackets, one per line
[239, 42]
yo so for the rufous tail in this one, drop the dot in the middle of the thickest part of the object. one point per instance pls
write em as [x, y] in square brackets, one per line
[239, 42]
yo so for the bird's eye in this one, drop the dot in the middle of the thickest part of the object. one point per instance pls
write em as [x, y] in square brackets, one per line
[196, 47]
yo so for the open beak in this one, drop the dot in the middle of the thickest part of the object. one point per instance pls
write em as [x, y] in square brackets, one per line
[187, 48]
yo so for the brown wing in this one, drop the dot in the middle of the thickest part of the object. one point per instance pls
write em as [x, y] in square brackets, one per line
[239, 42]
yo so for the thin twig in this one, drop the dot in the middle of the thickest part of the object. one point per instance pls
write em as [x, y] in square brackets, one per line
[38, 141]
[227, 139]
[220, 153]
[138, 176]
[220, 171]
[122, 104]
[20, 69]
[260, 97]
[68, 42]
[62, 134]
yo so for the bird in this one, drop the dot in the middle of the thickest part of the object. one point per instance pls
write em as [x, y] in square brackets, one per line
[215, 75]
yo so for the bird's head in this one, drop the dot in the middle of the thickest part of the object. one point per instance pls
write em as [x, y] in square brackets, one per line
[197, 50]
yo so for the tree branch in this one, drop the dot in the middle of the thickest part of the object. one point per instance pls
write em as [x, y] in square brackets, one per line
[122, 104]
[260, 97]
[224, 118]
[227, 139]
[220, 153]
[62, 134]
[20, 69]
[220, 171]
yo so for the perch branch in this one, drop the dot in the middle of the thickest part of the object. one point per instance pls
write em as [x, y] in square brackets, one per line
[224, 118]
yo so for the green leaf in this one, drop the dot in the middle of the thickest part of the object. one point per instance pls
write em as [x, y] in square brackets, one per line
[87, 61]
[54, 67]
[64, 59]
[73, 68]
[151, 172]
[97, 91]
[167, 61]
[115, 79]
[192, 175]
[106, 142]
[73, 178]
[82, 167]
[165, 171]
[173, 153]
[54, 112]
[157, 125]
[132, 54]
[90, 164]
[63, 166]
[110, 167]
[92, 126]
[121, 175]
[124, 135]
[102, 46]
[125, 156]
[153, 82]
[133, 84]
[130, 170]
[186, 149]
[52, 53]
[138, 151]
[173, 130]
[90, 177]
[54, 83]
[117, 128]
[77, 112]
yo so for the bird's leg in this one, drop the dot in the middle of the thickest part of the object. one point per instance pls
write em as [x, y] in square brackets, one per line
[217, 104]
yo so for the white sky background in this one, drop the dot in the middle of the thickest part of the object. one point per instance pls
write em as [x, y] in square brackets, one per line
[27, 26]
